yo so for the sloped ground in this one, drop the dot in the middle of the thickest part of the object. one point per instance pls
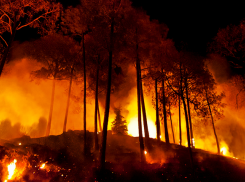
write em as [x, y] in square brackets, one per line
[65, 161]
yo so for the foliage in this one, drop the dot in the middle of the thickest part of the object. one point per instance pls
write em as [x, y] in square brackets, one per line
[230, 43]
[119, 125]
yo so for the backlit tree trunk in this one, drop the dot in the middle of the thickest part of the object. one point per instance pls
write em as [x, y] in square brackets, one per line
[157, 114]
[180, 137]
[107, 104]
[171, 122]
[139, 111]
[144, 112]
[210, 111]
[99, 116]
[189, 113]
[186, 118]
[164, 112]
[84, 97]
[96, 144]
[68, 101]
[51, 109]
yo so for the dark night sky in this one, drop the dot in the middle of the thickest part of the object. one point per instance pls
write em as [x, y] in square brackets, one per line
[193, 23]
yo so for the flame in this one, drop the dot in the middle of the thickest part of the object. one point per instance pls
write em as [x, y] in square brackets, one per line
[11, 169]
[145, 152]
[42, 166]
[223, 150]
[133, 128]
[193, 142]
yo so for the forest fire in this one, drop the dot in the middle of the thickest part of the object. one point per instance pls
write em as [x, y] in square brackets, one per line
[97, 91]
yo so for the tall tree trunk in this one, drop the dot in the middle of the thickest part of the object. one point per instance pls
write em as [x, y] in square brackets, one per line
[189, 113]
[84, 98]
[99, 116]
[171, 122]
[68, 101]
[144, 113]
[157, 114]
[6, 51]
[139, 112]
[96, 144]
[51, 109]
[186, 118]
[180, 137]
[107, 104]
[210, 111]
[164, 112]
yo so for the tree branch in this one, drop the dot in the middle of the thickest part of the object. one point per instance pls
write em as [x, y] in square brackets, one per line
[9, 24]
[4, 40]
[18, 28]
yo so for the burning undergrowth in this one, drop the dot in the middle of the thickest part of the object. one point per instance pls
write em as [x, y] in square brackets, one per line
[55, 158]
[62, 158]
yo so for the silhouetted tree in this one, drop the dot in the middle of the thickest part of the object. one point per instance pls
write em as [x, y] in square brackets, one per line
[18, 14]
[119, 125]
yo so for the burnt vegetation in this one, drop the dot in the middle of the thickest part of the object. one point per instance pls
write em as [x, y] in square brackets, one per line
[94, 45]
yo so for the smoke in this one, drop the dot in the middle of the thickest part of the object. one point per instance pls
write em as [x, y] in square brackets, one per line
[219, 67]
[28, 102]
[9, 131]
[231, 128]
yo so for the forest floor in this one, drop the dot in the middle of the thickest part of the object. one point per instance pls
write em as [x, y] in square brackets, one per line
[65, 160]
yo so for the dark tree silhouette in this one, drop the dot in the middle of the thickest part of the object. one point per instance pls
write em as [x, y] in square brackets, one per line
[119, 125]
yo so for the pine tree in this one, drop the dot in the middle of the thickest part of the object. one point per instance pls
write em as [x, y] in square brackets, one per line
[119, 125]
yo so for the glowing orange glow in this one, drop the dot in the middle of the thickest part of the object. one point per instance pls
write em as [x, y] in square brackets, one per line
[19, 143]
[193, 142]
[11, 169]
[42, 166]
[133, 128]
[145, 152]
[223, 151]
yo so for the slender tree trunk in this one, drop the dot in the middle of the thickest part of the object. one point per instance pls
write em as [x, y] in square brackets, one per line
[164, 112]
[144, 113]
[180, 137]
[157, 114]
[84, 98]
[6, 51]
[139, 113]
[171, 122]
[210, 111]
[107, 104]
[68, 101]
[186, 118]
[51, 109]
[189, 113]
[99, 116]
[96, 144]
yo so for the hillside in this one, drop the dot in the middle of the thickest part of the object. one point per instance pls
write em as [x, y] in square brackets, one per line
[64, 160]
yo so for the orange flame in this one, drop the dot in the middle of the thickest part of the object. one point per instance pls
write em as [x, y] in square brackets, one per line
[42, 166]
[11, 169]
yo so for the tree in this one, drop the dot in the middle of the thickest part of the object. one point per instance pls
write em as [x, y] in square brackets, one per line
[208, 102]
[108, 30]
[119, 125]
[58, 57]
[18, 14]
[230, 43]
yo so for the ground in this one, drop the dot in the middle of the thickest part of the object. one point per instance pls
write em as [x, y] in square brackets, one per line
[65, 160]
